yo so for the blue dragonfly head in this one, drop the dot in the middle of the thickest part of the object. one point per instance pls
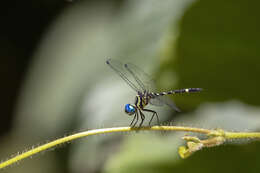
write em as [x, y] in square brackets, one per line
[130, 109]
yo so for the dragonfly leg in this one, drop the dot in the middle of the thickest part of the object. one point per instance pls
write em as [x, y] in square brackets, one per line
[142, 117]
[133, 119]
[154, 113]
[137, 116]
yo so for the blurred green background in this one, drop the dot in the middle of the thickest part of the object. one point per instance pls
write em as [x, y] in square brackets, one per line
[55, 81]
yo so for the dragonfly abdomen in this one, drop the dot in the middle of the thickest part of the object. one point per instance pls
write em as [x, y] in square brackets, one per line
[179, 91]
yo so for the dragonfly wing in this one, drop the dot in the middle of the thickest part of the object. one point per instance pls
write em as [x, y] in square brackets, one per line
[164, 100]
[145, 81]
[119, 68]
[156, 102]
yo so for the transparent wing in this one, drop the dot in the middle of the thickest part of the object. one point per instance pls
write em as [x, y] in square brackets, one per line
[139, 81]
[144, 81]
[156, 102]
[119, 68]
[164, 100]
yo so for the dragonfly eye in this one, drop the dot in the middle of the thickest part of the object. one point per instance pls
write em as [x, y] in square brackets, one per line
[129, 109]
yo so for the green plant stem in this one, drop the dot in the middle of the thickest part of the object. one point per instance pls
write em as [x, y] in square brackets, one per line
[216, 133]
[240, 135]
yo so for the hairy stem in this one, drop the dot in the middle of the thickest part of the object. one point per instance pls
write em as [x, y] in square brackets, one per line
[215, 137]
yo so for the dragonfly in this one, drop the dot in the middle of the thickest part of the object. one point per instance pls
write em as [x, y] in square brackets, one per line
[145, 88]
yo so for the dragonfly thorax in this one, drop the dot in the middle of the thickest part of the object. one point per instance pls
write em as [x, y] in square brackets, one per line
[141, 100]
